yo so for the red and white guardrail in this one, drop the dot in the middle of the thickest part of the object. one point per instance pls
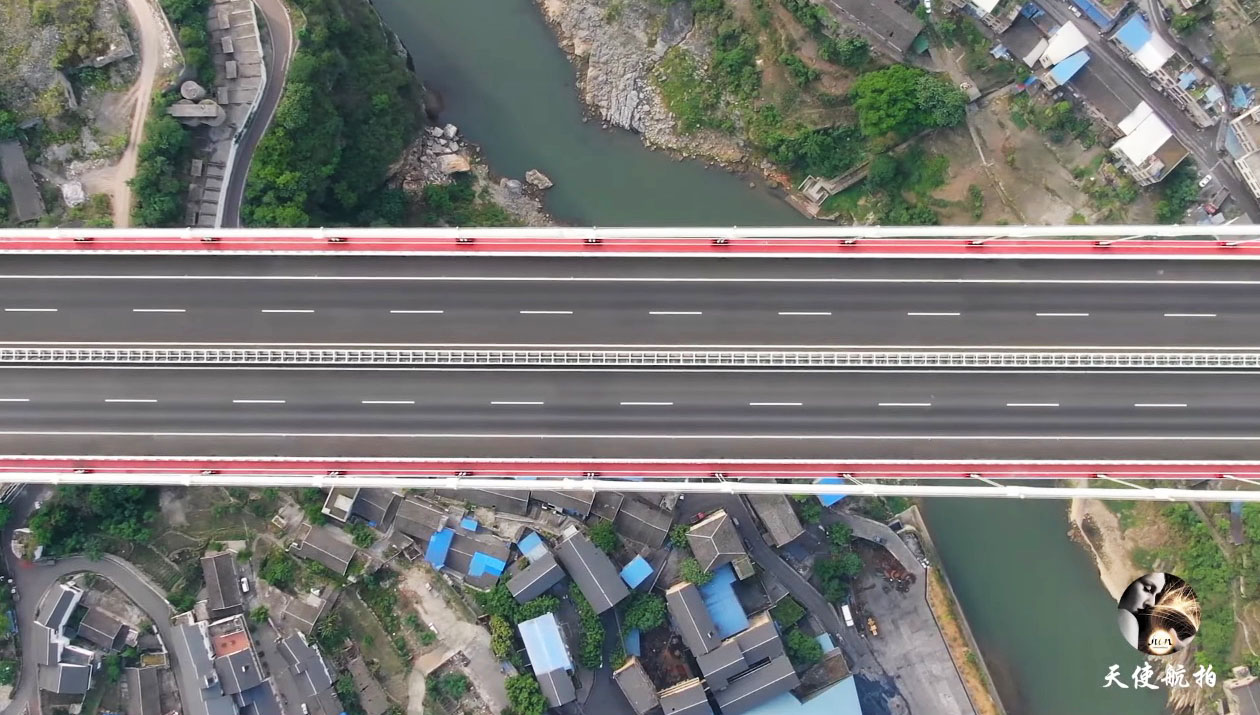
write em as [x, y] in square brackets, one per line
[983, 477]
[1164, 242]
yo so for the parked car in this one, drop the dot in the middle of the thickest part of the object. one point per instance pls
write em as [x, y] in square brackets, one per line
[1205, 181]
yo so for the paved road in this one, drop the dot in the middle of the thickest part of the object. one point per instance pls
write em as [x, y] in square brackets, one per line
[1114, 70]
[280, 33]
[630, 302]
[32, 581]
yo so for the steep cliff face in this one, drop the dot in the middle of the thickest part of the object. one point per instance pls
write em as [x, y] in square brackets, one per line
[615, 46]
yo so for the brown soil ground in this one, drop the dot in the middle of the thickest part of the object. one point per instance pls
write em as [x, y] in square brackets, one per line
[663, 658]
[973, 678]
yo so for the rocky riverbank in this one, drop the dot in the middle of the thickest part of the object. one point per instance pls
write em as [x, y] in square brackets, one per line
[615, 45]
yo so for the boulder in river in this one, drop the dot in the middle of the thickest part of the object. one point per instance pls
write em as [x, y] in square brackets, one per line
[450, 130]
[453, 164]
[538, 179]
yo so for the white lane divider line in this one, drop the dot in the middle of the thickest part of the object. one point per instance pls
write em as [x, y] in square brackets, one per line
[389, 402]
[30, 310]
[518, 402]
[647, 404]
[775, 404]
[675, 312]
[1189, 315]
[1159, 404]
[258, 402]
[417, 312]
[128, 399]
[1062, 315]
[286, 310]
[546, 312]
[15, 399]
[158, 310]
[1032, 404]
[905, 404]
[934, 315]
[804, 312]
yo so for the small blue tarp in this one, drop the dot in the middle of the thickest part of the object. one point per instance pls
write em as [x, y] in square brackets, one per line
[632, 642]
[830, 499]
[719, 597]
[532, 546]
[636, 572]
[468, 523]
[485, 564]
[439, 545]
[1134, 34]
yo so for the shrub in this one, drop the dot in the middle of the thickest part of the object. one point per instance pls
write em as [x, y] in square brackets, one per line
[604, 536]
[690, 570]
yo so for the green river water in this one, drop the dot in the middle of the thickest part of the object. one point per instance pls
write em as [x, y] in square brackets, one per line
[1044, 622]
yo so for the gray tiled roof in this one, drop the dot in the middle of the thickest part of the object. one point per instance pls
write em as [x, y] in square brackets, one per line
[142, 691]
[760, 640]
[720, 665]
[686, 698]
[636, 686]
[775, 511]
[557, 687]
[54, 609]
[322, 546]
[223, 588]
[881, 18]
[259, 700]
[714, 541]
[643, 522]
[65, 679]
[309, 671]
[373, 505]
[512, 502]
[691, 618]
[593, 572]
[371, 694]
[419, 517]
[1248, 698]
[49, 645]
[534, 581]
[238, 672]
[192, 651]
[100, 628]
[756, 687]
[578, 502]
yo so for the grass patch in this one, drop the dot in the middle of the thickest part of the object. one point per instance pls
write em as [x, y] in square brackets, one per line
[375, 644]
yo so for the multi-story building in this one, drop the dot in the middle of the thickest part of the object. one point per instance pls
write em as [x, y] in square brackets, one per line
[1147, 150]
[1186, 84]
[1242, 141]
[997, 14]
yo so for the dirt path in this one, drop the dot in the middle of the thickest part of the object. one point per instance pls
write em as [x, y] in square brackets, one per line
[150, 29]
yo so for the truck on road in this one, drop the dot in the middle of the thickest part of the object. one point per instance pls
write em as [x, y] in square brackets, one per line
[848, 615]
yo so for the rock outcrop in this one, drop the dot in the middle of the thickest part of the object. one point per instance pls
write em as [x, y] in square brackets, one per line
[616, 45]
[538, 180]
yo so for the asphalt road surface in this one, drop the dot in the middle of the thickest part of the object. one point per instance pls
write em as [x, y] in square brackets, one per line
[747, 302]
[702, 414]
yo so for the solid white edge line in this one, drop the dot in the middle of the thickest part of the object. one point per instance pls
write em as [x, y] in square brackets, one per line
[633, 279]
[30, 310]
[661, 437]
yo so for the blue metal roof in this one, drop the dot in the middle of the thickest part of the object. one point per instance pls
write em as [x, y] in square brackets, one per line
[830, 499]
[1032, 11]
[439, 544]
[636, 571]
[719, 597]
[825, 641]
[838, 699]
[632, 642]
[544, 645]
[532, 546]
[468, 523]
[1098, 15]
[1134, 33]
[1072, 64]
[1186, 79]
[485, 563]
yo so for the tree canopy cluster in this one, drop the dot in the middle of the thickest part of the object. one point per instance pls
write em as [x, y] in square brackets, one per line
[645, 611]
[603, 535]
[1178, 192]
[901, 100]
[835, 570]
[189, 19]
[78, 518]
[161, 161]
[691, 570]
[347, 113]
[591, 650]
[525, 695]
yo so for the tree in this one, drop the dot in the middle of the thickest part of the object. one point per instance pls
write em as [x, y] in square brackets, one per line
[1184, 23]
[362, 534]
[787, 612]
[885, 100]
[940, 103]
[1179, 190]
[645, 611]
[802, 649]
[591, 650]
[604, 536]
[524, 695]
[6, 512]
[536, 608]
[452, 685]
[8, 672]
[881, 173]
[279, 569]
[809, 508]
[259, 614]
[498, 601]
[113, 667]
[678, 536]
[76, 518]
[690, 570]
[848, 51]
[840, 537]
[834, 573]
[502, 637]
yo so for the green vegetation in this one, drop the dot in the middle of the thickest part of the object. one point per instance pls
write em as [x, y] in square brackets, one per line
[259, 614]
[312, 501]
[348, 111]
[362, 534]
[901, 100]
[835, 570]
[733, 67]
[1125, 511]
[331, 633]
[975, 202]
[822, 152]
[502, 637]
[77, 519]
[678, 536]
[808, 507]
[690, 570]
[687, 92]
[162, 159]
[604, 536]
[498, 601]
[525, 696]
[848, 51]
[453, 204]
[590, 652]
[645, 611]
[1184, 23]
[536, 608]
[452, 686]
[1057, 121]
[6, 511]
[801, 649]
[379, 590]
[8, 672]
[1201, 563]
[5, 196]
[189, 20]
[800, 73]
[81, 39]
[279, 569]
[1178, 192]
[787, 612]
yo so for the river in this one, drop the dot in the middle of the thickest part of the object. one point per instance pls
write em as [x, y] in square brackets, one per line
[1043, 619]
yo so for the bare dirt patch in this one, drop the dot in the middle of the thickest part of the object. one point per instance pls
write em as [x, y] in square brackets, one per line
[663, 658]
